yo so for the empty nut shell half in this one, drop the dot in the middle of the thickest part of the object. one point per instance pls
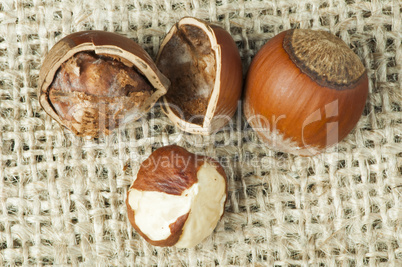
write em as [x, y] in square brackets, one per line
[203, 65]
[93, 81]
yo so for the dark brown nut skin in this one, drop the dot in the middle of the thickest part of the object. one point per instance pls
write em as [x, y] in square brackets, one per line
[106, 44]
[294, 105]
[173, 177]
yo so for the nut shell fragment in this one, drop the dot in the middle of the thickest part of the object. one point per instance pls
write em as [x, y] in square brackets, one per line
[200, 51]
[88, 109]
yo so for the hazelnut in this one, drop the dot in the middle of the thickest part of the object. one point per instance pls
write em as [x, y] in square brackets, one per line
[91, 82]
[177, 198]
[305, 91]
[203, 64]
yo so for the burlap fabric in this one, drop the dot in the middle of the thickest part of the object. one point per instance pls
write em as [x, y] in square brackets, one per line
[62, 197]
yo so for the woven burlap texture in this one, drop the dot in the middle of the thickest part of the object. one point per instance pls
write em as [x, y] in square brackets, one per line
[62, 197]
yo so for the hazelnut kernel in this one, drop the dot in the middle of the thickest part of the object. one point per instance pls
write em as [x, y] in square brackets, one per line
[177, 198]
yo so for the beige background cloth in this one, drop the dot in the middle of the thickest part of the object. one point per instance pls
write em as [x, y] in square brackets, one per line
[62, 197]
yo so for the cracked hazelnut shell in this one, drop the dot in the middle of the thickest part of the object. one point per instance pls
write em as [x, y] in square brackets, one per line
[203, 64]
[305, 91]
[177, 197]
[93, 81]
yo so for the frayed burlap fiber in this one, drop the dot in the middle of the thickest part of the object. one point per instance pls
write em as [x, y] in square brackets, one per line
[62, 197]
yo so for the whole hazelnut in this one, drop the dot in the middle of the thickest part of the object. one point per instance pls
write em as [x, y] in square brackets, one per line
[305, 91]
[177, 198]
[93, 81]
[203, 64]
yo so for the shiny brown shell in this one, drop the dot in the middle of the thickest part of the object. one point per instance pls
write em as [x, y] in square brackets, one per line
[305, 91]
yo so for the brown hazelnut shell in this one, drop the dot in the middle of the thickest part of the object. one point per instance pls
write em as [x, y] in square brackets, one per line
[292, 110]
[102, 43]
[223, 100]
[173, 178]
